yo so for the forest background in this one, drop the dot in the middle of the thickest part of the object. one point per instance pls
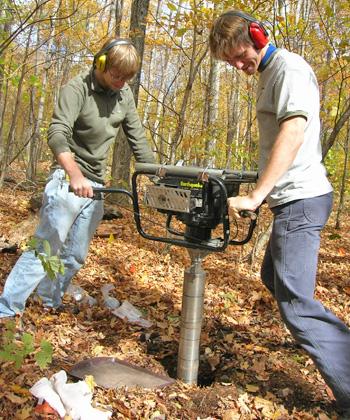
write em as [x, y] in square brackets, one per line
[203, 112]
[193, 107]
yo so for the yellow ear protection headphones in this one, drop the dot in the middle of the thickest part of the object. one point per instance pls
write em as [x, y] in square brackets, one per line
[100, 59]
[258, 34]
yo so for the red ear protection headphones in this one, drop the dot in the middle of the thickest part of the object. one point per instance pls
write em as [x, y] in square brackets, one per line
[100, 59]
[257, 32]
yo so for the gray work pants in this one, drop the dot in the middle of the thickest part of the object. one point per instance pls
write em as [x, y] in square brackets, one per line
[289, 272]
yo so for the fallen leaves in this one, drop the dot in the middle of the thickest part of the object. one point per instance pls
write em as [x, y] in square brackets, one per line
[16, 399]
[341, 252]
[24, 413]
[244, 345]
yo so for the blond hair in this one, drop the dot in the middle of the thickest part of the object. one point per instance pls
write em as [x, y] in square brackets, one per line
[228, 32]
[123, 59]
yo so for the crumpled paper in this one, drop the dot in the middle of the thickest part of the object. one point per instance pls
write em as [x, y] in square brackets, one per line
[127, 311]
[72, 399]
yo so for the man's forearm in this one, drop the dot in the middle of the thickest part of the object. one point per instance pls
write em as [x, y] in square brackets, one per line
[283, 153]
[66, 160]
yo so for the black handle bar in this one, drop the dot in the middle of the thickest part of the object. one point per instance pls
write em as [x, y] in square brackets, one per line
[99, 191]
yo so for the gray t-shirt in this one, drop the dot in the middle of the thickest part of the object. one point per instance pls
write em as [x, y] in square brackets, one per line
[288, 87]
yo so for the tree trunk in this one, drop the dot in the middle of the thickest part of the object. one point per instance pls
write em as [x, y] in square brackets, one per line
[118, 12]
[4, 30]
[193, 70]
[9, 147]
[122, 152]
[343, 180]
[34, 143]
[158, 128]
[260, 244]
[233, 115]
[151, 71]
[337, 127]
[212, 99]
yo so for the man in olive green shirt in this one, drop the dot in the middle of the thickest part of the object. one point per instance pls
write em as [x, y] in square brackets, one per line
[90, 110]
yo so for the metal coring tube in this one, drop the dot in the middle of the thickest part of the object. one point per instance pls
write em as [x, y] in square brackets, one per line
[191, 318]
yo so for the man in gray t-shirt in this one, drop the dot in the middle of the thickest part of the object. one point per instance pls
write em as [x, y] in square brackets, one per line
[288, 99]
[292, 179]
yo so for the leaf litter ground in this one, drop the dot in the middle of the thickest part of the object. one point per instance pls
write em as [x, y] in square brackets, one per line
[250, 366]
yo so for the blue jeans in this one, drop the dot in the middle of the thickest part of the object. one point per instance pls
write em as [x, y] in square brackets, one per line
[68, 223]
[289, 272]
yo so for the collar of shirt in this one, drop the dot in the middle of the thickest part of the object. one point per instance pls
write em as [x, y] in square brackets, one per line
[271, 50]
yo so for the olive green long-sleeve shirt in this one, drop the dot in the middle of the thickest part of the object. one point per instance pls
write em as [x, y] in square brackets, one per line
[86, 121]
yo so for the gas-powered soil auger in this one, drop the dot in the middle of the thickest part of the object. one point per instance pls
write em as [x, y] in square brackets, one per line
[193, 202]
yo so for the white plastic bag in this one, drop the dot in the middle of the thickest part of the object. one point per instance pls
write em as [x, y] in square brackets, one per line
[80, 295]
[43, 390]
[127, 311]
[73, 399]
[109, 301]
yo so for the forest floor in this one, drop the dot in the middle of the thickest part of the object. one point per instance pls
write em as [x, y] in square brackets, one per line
[250, 367]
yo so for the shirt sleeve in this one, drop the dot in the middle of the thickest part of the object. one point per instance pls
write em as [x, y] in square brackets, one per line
[66, 112]
[291, 94]
[135, 132]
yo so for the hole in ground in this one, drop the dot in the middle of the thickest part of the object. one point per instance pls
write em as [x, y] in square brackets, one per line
[167, 353]
[206, 377]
